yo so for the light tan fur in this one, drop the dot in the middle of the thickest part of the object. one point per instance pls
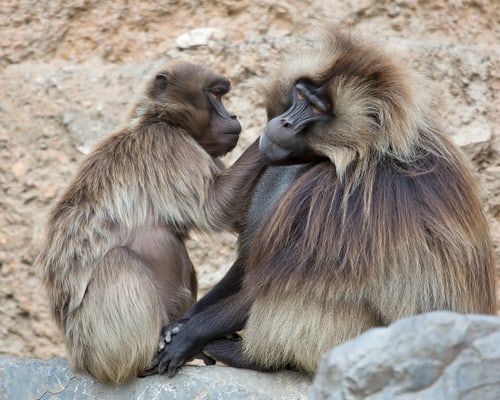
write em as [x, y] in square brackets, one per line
[290, 338]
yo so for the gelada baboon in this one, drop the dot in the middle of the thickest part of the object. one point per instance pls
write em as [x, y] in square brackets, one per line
[114, 262]
[372, 215]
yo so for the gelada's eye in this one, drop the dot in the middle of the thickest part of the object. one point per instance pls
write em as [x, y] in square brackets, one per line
[300, 95]
[216, 94]
[316, 110]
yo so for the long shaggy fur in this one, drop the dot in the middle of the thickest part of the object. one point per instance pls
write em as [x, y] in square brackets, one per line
[114, 262]
[389, 226]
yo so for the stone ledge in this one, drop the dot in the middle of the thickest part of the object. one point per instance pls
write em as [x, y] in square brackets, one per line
[22, 379]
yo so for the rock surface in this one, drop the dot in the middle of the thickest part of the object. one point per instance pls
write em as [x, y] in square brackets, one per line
[433, 356]
[69, 70]
[22, 379]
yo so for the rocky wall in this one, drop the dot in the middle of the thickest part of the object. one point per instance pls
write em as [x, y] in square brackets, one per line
[70, 68]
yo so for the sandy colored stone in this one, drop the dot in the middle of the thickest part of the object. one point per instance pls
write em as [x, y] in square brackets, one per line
[70, 69]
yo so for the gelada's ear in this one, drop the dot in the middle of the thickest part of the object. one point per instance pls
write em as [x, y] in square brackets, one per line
[160, 84]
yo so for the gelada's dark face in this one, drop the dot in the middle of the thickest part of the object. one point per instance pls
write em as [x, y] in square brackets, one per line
[285, 138]
[225, 126]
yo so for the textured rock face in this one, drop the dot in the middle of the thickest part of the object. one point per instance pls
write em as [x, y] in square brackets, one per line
[51, 379]
[433, 356]
[70, 69]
